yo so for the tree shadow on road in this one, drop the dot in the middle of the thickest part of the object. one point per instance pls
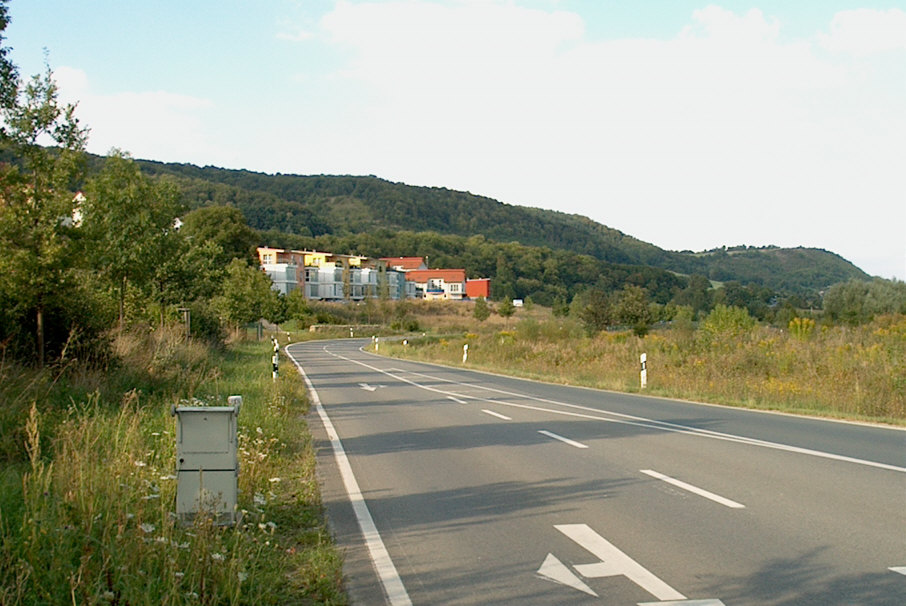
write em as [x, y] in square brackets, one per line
[808, 581]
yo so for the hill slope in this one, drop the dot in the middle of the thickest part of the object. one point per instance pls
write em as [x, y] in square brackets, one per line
[342, 205]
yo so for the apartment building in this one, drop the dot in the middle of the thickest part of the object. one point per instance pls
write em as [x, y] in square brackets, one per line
[326, 276]
[434, 284]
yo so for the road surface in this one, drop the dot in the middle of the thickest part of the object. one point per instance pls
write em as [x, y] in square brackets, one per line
[449, 486]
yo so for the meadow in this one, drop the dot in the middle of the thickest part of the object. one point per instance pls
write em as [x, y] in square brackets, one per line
[88, 483]
[849, 372]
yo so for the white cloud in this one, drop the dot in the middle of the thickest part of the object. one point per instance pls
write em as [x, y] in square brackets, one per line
[865, 31]
[724, 134]
[151, 124]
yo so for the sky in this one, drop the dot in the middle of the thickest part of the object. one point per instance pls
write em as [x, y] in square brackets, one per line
[687, 124]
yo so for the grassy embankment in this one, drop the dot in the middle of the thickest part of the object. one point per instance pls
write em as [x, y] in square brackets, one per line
[834, 371]
[87, 485]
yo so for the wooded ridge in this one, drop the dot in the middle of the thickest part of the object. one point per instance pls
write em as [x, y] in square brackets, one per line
[341, 206]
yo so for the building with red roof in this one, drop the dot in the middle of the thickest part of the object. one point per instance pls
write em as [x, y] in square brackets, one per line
[435, 284]
[405, 263]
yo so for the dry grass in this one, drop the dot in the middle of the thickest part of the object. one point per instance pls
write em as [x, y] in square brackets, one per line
[87, 503]
[856, 373]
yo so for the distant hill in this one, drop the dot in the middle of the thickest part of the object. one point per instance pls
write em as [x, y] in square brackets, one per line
[344, 205]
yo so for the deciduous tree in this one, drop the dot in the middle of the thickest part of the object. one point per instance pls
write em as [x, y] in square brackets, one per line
[481, 311]
[128, 220]
[247, 295]
[36, 193]
[225, 226]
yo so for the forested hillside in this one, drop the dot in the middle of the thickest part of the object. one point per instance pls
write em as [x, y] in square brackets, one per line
[345, 205]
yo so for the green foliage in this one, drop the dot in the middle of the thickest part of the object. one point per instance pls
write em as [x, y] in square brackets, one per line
[594, 308]
[696, 295]
[858, 302]
[802, 328]
[9, 73]
[36, 210]
[560, 307]
[631, 309]
[85, 508]
[247, 295]
[128, 227]
[297, 307]
[224, 226]
[506, 308]
[756, 299]
[727, 322]
[481, 311]
[345, 205]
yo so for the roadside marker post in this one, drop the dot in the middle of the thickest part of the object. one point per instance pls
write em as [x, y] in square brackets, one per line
[643, 374]
[465, 353]
[276, 358]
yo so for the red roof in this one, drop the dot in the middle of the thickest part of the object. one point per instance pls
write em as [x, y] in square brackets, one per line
[405, 263]
[447, 275]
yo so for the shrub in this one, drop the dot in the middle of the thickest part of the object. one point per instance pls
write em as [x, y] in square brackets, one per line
[724, 321]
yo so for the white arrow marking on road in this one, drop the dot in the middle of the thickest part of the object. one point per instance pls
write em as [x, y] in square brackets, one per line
[693, 489]
[496, 414]
[684, 603]
[551, 434]
[556, 571]
[368, 387]
[900, 569]
[614, 562]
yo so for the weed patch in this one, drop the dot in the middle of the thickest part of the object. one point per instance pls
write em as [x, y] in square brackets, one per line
[837, 371]
[87, 502]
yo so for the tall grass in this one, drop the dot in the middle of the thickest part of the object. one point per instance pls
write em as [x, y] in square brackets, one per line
[848, 372]
[87, 497]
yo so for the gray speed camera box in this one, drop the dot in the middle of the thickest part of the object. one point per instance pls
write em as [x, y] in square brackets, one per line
[207, 462]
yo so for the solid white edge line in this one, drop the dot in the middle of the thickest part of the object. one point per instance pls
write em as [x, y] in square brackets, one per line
[496, 414]
[380, 557]
[551, 434]
[694, 489]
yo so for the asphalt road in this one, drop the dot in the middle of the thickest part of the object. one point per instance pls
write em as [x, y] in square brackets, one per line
[449, 486]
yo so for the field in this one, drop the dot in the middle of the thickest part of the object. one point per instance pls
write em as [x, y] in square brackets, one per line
[87, 486]
[846, 372]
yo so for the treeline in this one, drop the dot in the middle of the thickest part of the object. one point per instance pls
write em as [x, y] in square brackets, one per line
[540, 274]
[613, 294]
[344, 205]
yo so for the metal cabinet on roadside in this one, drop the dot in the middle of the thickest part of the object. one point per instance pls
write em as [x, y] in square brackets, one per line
[207, 462]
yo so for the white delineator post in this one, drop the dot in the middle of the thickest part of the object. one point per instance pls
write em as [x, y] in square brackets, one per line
[276, 359]
[465, 353]
[643, 374]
